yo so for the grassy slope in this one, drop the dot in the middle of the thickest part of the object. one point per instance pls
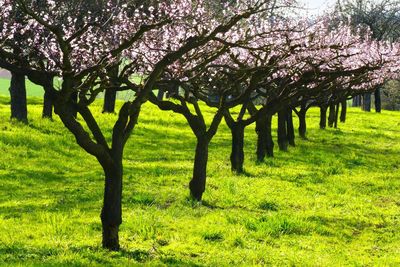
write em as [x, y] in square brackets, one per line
[332, 200]
[33, 89]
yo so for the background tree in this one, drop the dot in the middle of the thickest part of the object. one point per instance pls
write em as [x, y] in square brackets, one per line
[382, 18]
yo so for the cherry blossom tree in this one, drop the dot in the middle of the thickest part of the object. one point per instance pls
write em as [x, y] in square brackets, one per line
[81, 51]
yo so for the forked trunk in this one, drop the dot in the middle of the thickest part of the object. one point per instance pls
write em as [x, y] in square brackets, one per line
[237, 153]
[19, 109]
[290, 127]
[198, 183]
[282, 130]
[322, 120]
[111, 213]
[343, 112]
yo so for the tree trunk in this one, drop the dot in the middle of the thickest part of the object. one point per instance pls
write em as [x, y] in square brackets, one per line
[366, 105]
[290, 127]
[322, 121]
[336, 115]
[160, 95]
[111, 213]
[261, 130]
[356, 101]
[378, 102]
[343, 112]
[109, 101]
[198, 183]
[265, 144]
[282, 130]
[19, 109]
[302, 123]
[47, 105]
[237, 153]
[269, 145]
[71, 108]
[331, 117]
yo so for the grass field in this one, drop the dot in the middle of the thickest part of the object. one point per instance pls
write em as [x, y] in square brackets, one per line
[333, 200]
[33, 89]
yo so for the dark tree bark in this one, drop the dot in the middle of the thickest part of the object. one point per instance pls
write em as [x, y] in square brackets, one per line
[366, 105]
[378, 101]
[290, 127]
[110, 97]
[269, 145]
[336, 115]
[160, 95]
[19, 109]
[332, 113]
[302, 123]
[343, 112]
[47, 104]
[237, 153]
[265, 143]
[261, 130]
[282, 130]
[322, 121]
[72, 108]
[356, 101]
[111, 213]
[198, 183]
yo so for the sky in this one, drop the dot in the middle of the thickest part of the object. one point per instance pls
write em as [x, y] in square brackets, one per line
[316, 6]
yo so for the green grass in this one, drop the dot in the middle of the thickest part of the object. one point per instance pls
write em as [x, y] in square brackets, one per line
[33, 90]
[333, 200]
[36, 91]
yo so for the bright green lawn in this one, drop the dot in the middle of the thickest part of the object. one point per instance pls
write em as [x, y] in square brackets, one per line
[37, 91]
[32, 91]
[334, 200]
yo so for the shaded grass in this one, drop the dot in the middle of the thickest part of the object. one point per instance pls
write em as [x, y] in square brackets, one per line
[332, 200]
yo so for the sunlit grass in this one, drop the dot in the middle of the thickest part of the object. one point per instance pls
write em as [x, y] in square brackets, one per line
[333, 200]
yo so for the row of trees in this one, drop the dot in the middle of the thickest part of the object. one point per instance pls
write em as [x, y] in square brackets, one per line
[242, 56]
[382, 19]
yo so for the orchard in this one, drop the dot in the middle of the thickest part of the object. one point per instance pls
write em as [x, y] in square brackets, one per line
[211, 63]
